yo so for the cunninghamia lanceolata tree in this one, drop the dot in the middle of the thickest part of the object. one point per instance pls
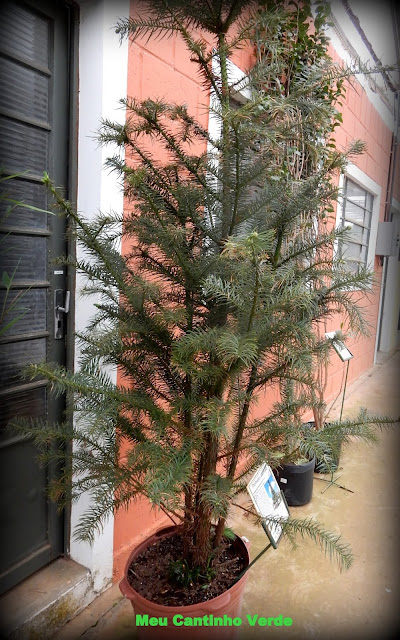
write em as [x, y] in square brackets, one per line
[227, 268]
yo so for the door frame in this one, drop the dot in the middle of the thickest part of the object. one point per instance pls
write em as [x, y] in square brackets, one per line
[96, 90]
[64, 44]
[72, 189]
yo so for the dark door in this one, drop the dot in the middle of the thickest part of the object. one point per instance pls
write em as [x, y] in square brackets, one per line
[34, 116]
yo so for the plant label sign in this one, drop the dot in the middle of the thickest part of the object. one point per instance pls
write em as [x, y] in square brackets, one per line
[269, 501]
[343, 352]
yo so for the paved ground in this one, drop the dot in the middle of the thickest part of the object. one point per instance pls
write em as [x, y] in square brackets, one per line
[302, 584]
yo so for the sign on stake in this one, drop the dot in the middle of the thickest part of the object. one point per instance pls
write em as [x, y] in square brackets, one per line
[269, 502]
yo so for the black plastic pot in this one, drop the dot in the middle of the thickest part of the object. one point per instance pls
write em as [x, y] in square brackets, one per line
[296, 482]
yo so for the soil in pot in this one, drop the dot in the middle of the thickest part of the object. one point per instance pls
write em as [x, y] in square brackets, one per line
[149, 573]
[148, 578]
[296, 482]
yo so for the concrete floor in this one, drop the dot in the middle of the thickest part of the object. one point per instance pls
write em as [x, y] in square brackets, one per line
[303, 584]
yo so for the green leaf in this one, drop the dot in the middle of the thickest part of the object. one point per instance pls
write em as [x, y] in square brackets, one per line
[6, 280]
[229, 534]
[231, 347]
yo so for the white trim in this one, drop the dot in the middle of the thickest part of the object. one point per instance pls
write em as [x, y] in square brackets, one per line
[363, 180]
[239, 80]
[241, 93]
[395, 204]
[103, 70]
[346, 41]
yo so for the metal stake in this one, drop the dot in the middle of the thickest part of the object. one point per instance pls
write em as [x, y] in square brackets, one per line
[333, 481]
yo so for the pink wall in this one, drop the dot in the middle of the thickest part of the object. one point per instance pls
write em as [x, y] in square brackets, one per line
[156, 69]
[160, 69]
[362, 121]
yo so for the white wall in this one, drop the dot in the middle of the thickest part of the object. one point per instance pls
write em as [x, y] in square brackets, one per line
[376, 22]
[102, 82]
[390, 335]
[375, 29]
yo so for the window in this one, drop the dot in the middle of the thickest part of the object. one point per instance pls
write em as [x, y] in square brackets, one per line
[240, 93]
[356, 215]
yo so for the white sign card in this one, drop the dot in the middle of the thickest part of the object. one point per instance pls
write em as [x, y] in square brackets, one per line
[343, 352]
[268, 501]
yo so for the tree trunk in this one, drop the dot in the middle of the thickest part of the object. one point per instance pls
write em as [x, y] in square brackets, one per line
[202, 539]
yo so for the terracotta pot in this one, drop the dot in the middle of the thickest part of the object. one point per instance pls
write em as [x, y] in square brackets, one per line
[226, 606]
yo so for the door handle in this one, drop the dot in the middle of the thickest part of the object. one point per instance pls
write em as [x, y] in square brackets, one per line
[61, 308]
[65, 309]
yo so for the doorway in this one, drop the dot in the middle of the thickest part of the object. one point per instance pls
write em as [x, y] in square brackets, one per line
[35, 45]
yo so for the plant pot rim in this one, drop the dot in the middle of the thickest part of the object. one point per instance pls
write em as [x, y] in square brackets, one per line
[293, 465]
[311, 424]
[128, 591]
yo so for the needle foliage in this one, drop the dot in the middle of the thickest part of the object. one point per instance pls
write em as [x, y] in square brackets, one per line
[228, 264]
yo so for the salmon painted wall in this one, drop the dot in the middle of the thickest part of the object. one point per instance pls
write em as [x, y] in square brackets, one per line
[161, 69]
[156, 69]
[361, 121]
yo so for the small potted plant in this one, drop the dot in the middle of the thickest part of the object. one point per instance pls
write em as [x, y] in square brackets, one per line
[295, 473]
[326, 436]
[296, 460]
[211, 304]
[330, 460]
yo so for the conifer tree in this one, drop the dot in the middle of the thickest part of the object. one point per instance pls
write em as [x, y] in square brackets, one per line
[228, 267]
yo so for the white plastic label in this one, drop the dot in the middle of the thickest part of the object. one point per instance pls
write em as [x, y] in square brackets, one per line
[268, 501]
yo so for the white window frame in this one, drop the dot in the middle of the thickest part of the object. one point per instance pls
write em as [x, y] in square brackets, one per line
[360, 178]
[101, 88]
[242, 94]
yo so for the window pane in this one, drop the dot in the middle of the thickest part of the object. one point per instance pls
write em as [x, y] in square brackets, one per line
[26, 309]
[25, 257]
[24, 91]
[355, 214]
[26, 33]
[23, 147]
[352, 251]
[359, 234]
[29, 193]
[29, 403]
[15, 355]
[356, 194]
